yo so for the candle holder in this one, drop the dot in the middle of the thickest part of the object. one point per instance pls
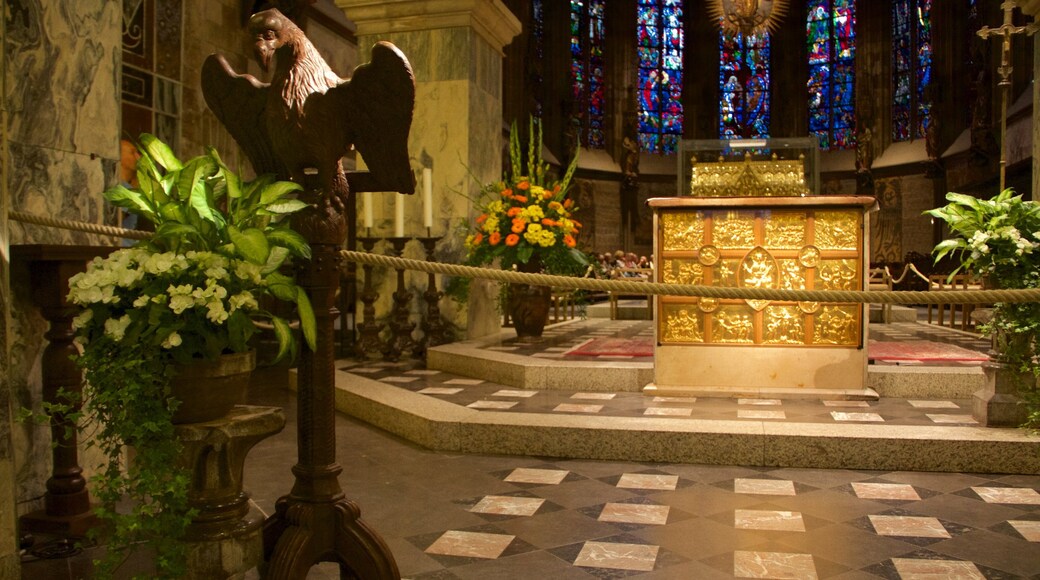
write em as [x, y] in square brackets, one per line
[435, 331]
[401, 328]
[369, 344]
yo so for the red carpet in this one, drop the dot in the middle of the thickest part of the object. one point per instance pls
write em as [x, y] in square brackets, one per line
[922, 350]
[614, 347]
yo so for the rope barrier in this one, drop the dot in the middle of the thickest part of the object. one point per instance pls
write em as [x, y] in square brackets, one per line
[621, 286]
[719, 292]
[78, 226]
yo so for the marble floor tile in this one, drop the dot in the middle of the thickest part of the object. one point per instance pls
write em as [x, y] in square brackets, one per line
[399, 379]
[951, 419]
[846, 404]
[508, 506]
[513, 393]
[758, 401]
[756, 414]
[773, 565]
[533, 475]
[764, 486]
[492, 405]
[423, 372]
[594, 396]
[914, 569]
[1011, 495]
[885, 491]
[463, 382]
[770, 520]
[571, 408]
[440, 391]
[470, 544]
[690, 400]
[366, 370]
[547, 355]
[634, 513]
[908, 526]
[1030, 529]
[504, 348]
[648, 481]
[638, 557]
[868, 417]
[668, 411]
[933, 404]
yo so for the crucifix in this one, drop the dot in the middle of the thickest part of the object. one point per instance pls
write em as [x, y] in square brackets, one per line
[1005, 31]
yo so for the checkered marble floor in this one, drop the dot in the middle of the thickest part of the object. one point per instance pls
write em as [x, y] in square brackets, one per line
[451, 516]
[494, 397]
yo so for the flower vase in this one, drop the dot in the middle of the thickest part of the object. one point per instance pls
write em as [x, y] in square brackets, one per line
[208, 390]
[528, 305]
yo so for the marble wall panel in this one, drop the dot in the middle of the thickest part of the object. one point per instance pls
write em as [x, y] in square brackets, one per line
[49, 182]
[70, 52]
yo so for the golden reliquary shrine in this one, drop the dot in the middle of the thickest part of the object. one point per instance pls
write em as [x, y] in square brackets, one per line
[756, 224]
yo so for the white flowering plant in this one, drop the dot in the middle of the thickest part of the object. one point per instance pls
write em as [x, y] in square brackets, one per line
[998, 240]
[193, 290]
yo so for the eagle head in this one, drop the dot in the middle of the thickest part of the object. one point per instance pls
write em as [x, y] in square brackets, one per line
[272, 31]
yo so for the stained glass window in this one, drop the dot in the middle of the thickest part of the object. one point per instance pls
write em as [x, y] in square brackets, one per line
[744, 85]
[660, 43]
[912, 68]
[538, 38]
[831, 35]
[587, 39]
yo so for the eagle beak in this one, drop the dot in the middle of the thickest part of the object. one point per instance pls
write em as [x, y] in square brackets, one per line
[263, 55]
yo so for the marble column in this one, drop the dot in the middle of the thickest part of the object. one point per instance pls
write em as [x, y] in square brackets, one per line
[1032, 8]
[456, 49]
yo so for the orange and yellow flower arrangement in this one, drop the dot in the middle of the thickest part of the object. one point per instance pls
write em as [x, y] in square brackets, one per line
[526, 220]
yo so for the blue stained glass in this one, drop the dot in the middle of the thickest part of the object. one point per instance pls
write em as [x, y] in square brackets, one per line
[659, 92]
[831, 39]
[587, 39]
[744, 70]
[912, 68]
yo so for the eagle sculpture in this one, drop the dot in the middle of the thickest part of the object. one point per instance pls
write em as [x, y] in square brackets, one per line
[307, 118]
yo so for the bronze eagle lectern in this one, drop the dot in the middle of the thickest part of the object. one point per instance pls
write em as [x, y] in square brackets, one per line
[298, 127]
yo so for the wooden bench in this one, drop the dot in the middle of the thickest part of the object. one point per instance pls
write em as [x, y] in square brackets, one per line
[631, 275]
[945, 282]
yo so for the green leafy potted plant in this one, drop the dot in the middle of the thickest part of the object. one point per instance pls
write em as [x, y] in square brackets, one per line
[526, 222]
[999, 241]
[185, 299]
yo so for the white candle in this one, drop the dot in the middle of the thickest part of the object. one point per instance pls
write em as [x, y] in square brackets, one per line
[399, 216]
[366, 198]
[427, 200]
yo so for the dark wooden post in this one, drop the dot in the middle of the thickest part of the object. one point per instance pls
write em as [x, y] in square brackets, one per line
[67, 502]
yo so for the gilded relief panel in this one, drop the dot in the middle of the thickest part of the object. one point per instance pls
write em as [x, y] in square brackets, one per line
[733, 325]
[682, 272]
[837, 275]
[783, 325]
[785, 230]
[682, 323]
[792, 274]
[726, 272]
[734, 230]
[837, 324]
[837, 230]
[682, 230]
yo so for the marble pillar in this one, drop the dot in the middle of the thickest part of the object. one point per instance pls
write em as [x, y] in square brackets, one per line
[60, 149]
[456, 49]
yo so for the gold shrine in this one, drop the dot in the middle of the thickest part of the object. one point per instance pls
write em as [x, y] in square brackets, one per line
[755, 224]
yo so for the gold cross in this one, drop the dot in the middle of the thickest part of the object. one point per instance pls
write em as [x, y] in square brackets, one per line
[1005, 31]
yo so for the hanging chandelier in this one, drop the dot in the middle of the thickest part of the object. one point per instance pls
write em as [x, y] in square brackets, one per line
[748, 16]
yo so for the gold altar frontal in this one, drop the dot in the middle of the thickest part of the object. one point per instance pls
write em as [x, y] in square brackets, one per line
[759, 347]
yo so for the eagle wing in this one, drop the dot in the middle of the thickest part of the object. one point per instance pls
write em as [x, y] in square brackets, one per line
[238, 101]
[376, 106]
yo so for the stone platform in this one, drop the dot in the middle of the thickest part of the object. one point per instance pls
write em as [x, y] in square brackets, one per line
[497, 397]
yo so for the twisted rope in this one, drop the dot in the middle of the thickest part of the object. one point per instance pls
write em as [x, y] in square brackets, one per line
[77, 225]
[618, 286]
[719, 292]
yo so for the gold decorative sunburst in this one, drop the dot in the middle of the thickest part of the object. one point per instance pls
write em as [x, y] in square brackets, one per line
[748, 16]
